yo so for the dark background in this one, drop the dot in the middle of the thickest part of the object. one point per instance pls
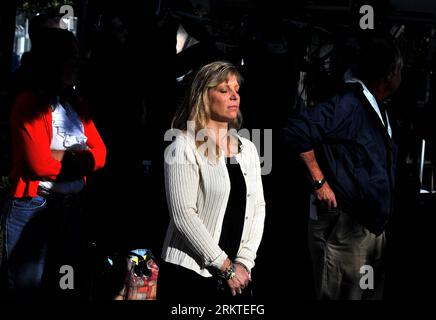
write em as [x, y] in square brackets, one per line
[293, 53]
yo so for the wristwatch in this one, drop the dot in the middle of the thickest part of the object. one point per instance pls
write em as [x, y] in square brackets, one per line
[318, 184]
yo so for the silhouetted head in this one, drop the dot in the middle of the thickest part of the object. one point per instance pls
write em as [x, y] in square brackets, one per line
[379, 63]
[54, 62]
[42, 22]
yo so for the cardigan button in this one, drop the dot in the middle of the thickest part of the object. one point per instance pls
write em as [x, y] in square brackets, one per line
[246, 218]
[248, 195]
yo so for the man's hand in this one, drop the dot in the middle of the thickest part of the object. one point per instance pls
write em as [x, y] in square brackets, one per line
[326, 196]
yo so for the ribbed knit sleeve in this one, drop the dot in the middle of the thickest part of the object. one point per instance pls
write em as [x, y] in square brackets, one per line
[182, 183]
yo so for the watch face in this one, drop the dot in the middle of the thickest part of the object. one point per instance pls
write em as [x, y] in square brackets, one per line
[318, 184]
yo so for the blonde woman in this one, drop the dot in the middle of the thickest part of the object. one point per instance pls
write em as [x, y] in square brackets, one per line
[214, 193]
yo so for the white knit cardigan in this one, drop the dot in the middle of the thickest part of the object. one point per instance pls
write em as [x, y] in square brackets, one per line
[197, 194]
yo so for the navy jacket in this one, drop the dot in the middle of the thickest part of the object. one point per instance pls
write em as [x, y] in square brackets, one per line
[353, 150]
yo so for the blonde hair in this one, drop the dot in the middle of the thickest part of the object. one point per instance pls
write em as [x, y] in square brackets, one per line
[195, 106]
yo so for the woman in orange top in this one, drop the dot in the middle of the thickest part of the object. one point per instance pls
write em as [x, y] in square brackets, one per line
[55, 146]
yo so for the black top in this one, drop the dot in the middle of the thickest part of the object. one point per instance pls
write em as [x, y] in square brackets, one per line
[233, 224]
[354, 151]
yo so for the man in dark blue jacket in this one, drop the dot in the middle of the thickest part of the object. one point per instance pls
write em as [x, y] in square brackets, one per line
[346, 144]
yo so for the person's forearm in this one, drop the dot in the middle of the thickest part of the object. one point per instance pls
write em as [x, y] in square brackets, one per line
[322, 191]
[312, 165]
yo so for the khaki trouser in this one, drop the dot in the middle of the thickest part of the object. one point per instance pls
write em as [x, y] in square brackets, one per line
[339, 248]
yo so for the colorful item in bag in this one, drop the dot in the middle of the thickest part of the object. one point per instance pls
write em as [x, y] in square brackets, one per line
[141, 278]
